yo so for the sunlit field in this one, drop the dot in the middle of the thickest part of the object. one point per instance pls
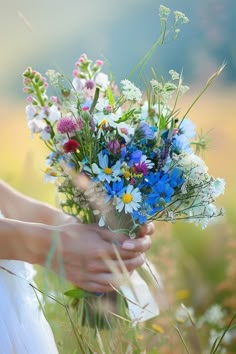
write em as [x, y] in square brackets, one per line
[197, 267]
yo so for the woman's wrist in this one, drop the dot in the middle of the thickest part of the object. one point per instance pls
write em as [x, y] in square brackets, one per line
[25, 241]
[38, 239]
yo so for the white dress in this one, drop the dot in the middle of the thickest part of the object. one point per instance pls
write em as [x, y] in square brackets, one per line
[23, 327]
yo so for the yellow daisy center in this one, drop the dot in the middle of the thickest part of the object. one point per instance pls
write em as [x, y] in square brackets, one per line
[50, 172]
[103, 122]
[127, 174]
[127, 198]
[158, 328]
[107, 170]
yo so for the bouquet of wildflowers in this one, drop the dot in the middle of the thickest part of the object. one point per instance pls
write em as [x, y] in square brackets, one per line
[133, 148]
[120, 157]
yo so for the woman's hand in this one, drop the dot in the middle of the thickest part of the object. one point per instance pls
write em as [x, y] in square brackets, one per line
[93, 258]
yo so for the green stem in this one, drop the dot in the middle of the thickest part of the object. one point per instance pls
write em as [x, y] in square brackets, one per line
[38, 94]
[96, 96]
[217, 343]
[182, 340]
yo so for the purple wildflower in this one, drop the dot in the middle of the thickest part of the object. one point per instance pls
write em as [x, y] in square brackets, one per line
[66, 125]
[89, 84]
[113, 146]
[80, 123]
[140, 168]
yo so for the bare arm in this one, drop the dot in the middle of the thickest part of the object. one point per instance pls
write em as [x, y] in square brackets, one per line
[28, 231]
[15, 205]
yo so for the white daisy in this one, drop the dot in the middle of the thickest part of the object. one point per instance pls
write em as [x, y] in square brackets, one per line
[103, 171]
[51, 175]
[125, 130]
[104, 119]
[129, 200]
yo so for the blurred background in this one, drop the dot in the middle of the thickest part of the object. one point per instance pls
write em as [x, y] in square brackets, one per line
[198, 266]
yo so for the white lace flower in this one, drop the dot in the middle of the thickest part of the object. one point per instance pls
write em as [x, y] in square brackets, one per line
[218, 187]
[164, 12]
[174, 75]
[54, 77]
[180, 17]
[130, 91]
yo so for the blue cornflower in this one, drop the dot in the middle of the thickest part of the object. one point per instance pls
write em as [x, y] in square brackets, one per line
[123, 153]
[180, 143]
[87, 104]
[152, 178]
[113, 189]
[176, 178]
[139, 217]
[161, 194]
[146, 130]
[67, 161]
[135, 157]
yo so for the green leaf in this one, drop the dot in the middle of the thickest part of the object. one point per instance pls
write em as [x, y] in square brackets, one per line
[78, 293]
[110, 97]
[125, 116]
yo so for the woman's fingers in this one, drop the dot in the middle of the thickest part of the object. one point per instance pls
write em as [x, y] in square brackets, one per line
[146, 229]
[138, 245]
[94, 287]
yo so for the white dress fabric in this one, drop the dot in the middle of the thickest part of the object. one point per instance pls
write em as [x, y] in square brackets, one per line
[23, 327]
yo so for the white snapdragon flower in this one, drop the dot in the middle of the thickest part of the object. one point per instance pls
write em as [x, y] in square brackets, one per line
[130, 91]
[30, 111]
[36, 125]
[53, 114]
[78, 84]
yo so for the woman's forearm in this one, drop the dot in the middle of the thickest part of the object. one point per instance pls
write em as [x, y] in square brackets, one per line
[15, 205]
[18, 240]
